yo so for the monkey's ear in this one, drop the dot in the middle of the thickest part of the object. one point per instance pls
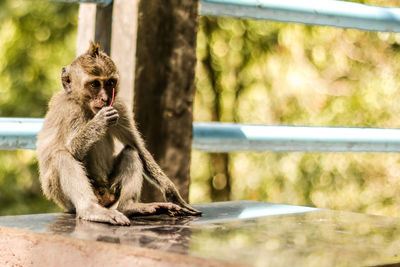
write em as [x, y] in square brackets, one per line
[66, 80]
[94, 49]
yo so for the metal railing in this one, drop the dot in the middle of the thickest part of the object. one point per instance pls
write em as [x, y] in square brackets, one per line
[342, 14]
[316, 12]
[20, 133]
[99, 2]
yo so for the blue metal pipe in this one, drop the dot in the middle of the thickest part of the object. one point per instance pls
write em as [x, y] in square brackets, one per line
[225, 137]
[316, 12]
[101, 2]
[20, 133]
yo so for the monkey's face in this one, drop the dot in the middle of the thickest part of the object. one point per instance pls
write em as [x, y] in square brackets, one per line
[92, 79]
[99, 91]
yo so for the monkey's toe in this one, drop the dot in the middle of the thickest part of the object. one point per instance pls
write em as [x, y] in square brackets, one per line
[167, 206]
[173, 209]
[191, 212]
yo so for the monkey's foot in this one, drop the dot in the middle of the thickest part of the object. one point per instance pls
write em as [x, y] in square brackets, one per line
[100, 214]
[189, 210]
[152, 208]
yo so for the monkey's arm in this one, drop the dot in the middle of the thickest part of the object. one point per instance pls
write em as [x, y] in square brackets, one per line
[127, 133]
[83, 138]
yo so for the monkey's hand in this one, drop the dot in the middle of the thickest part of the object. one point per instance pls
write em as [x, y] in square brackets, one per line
[172, 195]
[107, 116]
[100, 214]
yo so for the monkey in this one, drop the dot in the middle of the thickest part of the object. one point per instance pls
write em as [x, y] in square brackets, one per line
[79, 168]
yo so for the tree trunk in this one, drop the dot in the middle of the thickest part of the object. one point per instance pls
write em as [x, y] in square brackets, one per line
[164, 86]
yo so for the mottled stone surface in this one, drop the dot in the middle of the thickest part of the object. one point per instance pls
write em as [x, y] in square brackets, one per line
[248, 233]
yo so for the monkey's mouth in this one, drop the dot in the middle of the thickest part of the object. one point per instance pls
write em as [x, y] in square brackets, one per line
[97, 109]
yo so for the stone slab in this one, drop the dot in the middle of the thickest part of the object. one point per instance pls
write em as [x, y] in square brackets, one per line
[229, 233]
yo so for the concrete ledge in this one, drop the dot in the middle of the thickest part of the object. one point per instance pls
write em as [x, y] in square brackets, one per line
[24, 248]
[229, 233]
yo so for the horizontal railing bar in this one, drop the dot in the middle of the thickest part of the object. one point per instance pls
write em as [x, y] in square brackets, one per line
[316, 12]
[20, 133]
[102, 2]
[225, 137]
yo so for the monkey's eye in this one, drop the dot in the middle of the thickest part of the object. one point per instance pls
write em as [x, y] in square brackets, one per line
[95, 84]
[110, 82]
[102, 191]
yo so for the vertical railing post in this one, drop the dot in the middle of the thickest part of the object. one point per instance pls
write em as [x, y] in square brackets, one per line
[114, 27]
[86, 27]
[95, 24]
[123, 46]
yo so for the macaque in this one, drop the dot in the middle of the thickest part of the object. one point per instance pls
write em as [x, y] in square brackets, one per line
[79, 168]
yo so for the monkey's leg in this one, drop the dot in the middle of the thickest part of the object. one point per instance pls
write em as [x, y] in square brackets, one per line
[128, 176]
[126, 181]
[127, 133]
[76, 187]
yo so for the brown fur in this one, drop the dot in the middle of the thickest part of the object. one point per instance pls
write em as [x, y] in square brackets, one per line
[76, 148]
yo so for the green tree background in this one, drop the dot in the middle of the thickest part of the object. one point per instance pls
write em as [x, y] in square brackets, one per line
[36, 39]
[248, 71]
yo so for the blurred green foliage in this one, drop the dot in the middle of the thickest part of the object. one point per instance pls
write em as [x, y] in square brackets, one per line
[36, 39]
[248, 71]
[277, 73]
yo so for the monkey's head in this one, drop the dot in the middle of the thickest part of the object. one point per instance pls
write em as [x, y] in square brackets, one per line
[91, 79]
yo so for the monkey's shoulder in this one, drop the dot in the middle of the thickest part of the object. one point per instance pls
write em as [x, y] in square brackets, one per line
[64, 106]
[61, 101]
[62, 114]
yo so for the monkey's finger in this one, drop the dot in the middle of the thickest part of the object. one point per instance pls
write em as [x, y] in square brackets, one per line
[112, 120]
[168, 206]
[111, 112]
[114, 117]
[173, 213]
[188, 210]
[108, 109]
[191, 211]
[118, 218]
[105, 110]
[183, 212]
[121, 220]
[115, 219]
